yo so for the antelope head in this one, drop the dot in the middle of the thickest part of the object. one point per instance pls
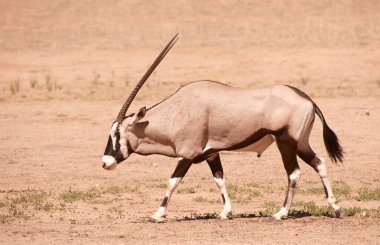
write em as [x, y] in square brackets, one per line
[119, 145]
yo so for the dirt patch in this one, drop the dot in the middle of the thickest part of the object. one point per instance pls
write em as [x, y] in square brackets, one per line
[67, 66]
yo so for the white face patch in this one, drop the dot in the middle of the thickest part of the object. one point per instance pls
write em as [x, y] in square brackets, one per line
[123, 140]
[113, 135]
[109, 162]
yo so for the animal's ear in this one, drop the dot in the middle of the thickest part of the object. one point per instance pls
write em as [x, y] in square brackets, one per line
[141, 113]
[137, 117]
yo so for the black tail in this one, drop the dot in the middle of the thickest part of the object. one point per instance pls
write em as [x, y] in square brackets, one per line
[331, 140]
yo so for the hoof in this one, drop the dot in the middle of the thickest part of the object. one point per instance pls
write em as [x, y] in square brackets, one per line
[337, 213]
[276, 218]
[223, 216]
[157, 219]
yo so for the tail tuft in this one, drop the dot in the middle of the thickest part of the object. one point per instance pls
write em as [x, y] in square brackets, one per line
[333, 147]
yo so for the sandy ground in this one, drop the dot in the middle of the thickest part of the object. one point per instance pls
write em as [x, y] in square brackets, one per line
[67, 66]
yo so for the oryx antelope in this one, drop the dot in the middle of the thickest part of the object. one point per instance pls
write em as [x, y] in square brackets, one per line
[205, 117]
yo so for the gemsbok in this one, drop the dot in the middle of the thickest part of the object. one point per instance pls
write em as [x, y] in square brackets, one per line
[204, 118]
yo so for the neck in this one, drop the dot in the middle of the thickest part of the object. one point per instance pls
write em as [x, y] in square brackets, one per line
[146, 139]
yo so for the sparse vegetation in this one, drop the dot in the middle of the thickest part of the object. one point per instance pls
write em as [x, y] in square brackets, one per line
[33, 83]
[341, 190]
[21, 205]
[162, 186]
[15, 86]
[4, 218]
[113, 189]
[72, 196]
[231, 191]
[16, 211]
[242, 194]
[189, 190]
[310, 208]
[352, 211]
[118, 210]
[269, 209]
[32, 198]
[2, 204]
[133, 189]
[200, 199]
[366, 194]
[50, 85]
[312, 191]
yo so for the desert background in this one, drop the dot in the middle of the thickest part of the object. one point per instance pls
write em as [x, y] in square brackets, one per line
[66, 67]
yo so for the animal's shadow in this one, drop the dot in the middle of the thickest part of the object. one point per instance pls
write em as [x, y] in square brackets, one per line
[294, 214]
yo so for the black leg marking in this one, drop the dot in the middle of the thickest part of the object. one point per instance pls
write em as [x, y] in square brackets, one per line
[164, 202]
[182, 168]
[215, 165]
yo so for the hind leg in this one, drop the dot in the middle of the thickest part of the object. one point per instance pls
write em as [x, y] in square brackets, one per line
[217, 171]
[289, 158]
[318, 164]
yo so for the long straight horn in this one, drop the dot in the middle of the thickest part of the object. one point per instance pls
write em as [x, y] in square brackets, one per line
[124, 109]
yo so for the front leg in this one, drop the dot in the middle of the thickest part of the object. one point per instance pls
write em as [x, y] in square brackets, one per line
[179, 172]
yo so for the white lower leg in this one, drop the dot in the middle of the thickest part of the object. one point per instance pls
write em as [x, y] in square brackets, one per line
[227, 204]
[161, 212]
[283, 213]
[293, 180]
[321, 167]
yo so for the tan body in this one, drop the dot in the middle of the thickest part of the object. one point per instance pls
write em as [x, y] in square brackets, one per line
[209, 116]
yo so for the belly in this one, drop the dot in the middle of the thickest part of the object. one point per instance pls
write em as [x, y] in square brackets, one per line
[259, 146]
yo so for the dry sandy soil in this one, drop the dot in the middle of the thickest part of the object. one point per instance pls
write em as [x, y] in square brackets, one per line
[67, 66]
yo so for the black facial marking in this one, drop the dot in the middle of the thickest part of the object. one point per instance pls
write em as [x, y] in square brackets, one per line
[129, 148]
[109, 147]
[110, 151]
[117, 136]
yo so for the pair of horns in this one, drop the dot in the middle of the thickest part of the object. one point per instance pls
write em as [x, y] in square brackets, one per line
[127, 103]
